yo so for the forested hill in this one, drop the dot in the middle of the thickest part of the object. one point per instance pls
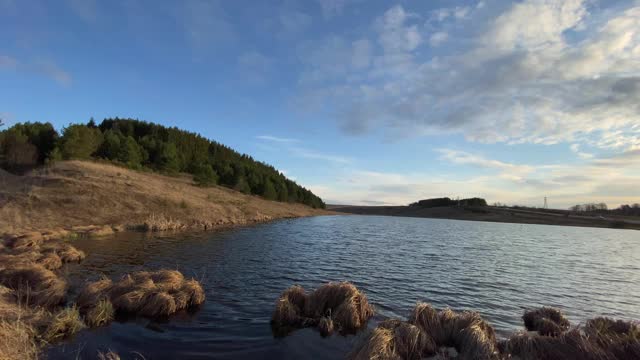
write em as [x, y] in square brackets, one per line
[143, 145]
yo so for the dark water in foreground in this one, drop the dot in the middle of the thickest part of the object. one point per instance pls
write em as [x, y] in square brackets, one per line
[496, 269]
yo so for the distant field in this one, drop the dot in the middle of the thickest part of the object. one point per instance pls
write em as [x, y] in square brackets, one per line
[77, 193]
[495, 214]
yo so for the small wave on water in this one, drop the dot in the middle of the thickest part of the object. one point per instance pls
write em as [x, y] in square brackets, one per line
[496, 269]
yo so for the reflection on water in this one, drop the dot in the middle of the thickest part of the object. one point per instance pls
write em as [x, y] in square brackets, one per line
[496, 269]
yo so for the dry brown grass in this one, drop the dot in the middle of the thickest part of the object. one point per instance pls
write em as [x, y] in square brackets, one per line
[325, 326]
[50, 261]
[109, 355]
[379, 345]
[65, 323]
[17, 341]
[471, 335]
[18, 327]
[343, 304]
[151, 294]
[546, 321]
[572, 344]
[94, 292]
[101, 314]
[158, 303]
[77, 193]
[35, 284]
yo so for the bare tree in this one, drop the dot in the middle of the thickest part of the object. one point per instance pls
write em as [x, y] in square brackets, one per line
[1, 123]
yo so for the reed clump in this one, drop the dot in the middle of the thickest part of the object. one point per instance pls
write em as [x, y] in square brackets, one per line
[109, 355]
[161, 223]
[151, 294]
[467, 331]
[395, 339]
[427, 331]
[35, 284]
[546, 321]
[573, 344]
[332, 307]
[101, 314]
[63, 324]
[17, 340]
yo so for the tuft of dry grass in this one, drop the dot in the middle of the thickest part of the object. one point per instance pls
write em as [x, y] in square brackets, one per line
[379, 345]
[17, 341]
[158, 303]
[69, 253]
[395, 339]
[193, 291]
[167, 280]
[101, 314]
[546, 321]
[161, 223]
[342, 303]
[50, 261]
[109, 355]
[466, 331]
[35, 284]
[94, 291]
[151, 294]
[325, 326]
[30, 240]
[347, 305]
[572, 344]
[65, 323]
[410, 342]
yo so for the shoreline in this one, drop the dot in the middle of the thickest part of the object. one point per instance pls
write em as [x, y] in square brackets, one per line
[99, 199]
[491, 214]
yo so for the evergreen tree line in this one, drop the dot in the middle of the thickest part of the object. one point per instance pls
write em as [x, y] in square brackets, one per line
[143, 145]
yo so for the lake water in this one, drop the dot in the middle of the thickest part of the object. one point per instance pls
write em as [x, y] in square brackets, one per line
[496, 269]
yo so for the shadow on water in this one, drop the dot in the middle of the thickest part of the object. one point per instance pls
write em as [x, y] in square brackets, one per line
[496, 269]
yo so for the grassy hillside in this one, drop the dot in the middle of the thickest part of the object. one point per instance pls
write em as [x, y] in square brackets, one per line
[81, 193]
[143, 145]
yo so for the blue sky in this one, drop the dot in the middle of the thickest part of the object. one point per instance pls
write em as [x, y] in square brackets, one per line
[364, 102]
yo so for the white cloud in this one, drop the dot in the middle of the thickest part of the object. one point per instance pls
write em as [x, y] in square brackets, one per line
[289, 144]
[52, 70]
[277, 139]
[438, 38]
[583, 155]
[465, 158]
[396, 35]
[563, 184]
[42, 66]
[541, 72]
[461, 12]
[311, 154]
[535, 24]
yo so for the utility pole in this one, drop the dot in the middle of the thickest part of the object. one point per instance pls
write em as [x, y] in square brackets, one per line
[546, 206]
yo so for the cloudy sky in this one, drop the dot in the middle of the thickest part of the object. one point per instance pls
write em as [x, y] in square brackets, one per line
[364, 102]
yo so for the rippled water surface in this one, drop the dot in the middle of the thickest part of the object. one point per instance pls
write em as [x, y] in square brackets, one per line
[496, 269]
